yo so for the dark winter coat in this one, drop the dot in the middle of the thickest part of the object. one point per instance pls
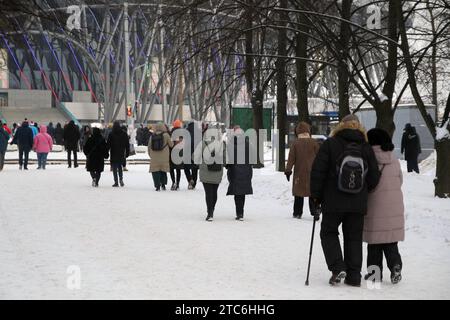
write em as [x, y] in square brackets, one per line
[71, 136]
[59, 135]
[411, 144]
[239, 175]
[24, 137]
[96, 151]
[118, 145]
[51, 130]
[324, 182]
[4, 137]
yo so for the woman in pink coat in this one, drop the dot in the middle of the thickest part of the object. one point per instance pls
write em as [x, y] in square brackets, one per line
[42, 145]
[384, 224]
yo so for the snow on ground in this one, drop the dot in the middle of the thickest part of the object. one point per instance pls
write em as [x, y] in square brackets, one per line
[135, 243]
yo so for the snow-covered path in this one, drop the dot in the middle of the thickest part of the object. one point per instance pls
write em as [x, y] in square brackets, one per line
[134, 243]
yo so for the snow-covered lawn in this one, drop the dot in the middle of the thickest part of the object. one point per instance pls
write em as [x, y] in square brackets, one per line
[135, 243]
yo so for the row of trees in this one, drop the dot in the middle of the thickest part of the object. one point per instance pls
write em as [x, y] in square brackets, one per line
[341, 51]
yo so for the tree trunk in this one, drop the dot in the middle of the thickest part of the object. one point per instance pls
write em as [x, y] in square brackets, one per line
[442, 180]
[385, 117]
[343, 73]
[302, 71]
[281, 89]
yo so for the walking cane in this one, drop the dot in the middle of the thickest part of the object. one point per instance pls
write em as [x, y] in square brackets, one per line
[311, 247]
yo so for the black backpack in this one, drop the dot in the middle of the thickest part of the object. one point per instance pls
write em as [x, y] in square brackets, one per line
[351, 169]
[157, 142]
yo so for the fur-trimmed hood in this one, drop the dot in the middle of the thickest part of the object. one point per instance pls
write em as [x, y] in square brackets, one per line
[352, 125]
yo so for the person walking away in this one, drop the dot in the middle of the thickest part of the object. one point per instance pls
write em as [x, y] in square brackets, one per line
[239, 170]
[6, 128]
[71, 138]
[59, 134]
[175, 169]
[411, 148]
[343, 173]
[43, 144]
[24, 140]
[51, 130]
[384, 224]
[119, 149]
[191, 169]
[211, 171]
[159, 151]
[85, 135]
[34, 129]
[96, 151]
[4, 138]
[301, 157]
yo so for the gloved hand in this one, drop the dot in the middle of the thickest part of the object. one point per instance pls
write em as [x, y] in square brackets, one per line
[317, 210]
[288, 175]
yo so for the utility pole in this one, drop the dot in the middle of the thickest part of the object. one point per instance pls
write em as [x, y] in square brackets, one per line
[130, 118]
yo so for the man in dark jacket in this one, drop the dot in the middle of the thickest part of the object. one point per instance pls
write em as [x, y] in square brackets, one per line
[71, 138]
[340, 207]
[24, 140]
[4, 137]
[411, 147]
[119, 148]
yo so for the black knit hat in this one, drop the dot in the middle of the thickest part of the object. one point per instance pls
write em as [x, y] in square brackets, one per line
[379, 137]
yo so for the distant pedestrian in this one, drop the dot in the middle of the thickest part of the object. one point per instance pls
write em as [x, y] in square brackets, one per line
[4, 138]
[239, 170]
[51, 130]
[302, 153]
[191, 169]
[24, 140]
[7, 129]
[96, 151]
[43, 144]
[59, 134]
[411, 148]
[384, 224]
[71, 139]
[159, 151]
[119, 149]
[175, 169]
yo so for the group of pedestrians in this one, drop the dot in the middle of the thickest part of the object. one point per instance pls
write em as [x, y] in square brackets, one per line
[355, 179]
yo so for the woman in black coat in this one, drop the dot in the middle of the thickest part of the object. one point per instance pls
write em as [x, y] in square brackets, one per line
[96, 151]
[239, 171]
[71, 138]
[59, 134]
[119, 148]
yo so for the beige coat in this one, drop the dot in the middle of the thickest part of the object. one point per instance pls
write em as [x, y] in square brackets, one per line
[301, 156]
[385, 220]
[160, 160]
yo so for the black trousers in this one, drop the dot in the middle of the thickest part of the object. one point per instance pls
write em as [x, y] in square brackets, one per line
[390, 250]
[211, 197]
[23, 157]
[413, 165]
[191, 173]
[2, 160]
[117, 171]
[178, 175]
[352, 227]
[96, 175]
[298, 206]
[239, 201]
[69, 160]
[159, 178]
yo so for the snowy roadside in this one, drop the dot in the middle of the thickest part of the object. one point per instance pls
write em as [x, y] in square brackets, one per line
[134, 243]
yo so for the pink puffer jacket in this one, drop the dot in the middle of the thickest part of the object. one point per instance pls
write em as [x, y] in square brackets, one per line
[43, 142]
[385, 219]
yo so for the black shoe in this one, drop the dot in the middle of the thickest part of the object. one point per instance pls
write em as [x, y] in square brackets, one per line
[115, 185]
[239, 218]
[25, 168]
[337, 277]
[20, 167]
[76, 166]
[396, 274]
[157, 189]
[94, 182]
[173, 187]
[163, 187]
[209, 218]
[121, 183]
[352, 283]
[69, 167]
